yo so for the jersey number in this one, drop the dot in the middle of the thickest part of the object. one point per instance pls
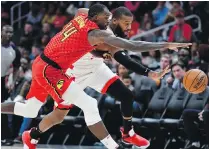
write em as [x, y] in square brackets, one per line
[68, 31]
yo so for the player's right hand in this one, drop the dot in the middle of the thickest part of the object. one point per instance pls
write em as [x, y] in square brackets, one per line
[159, 75]
[175, 46]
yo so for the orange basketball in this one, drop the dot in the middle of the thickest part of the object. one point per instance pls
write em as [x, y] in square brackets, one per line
[195, 81]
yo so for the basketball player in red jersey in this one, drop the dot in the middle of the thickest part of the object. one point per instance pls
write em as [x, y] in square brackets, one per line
[63, 89]
[91, 71]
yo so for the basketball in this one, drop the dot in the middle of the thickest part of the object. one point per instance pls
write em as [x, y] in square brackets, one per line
[195, 81]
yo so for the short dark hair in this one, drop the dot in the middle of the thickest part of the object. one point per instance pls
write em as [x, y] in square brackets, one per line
[181, 64]
[28, 22]
[96, 9]
[118, 12]
[167, 56]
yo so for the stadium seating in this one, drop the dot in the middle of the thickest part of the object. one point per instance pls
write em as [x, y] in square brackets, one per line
[198, 101]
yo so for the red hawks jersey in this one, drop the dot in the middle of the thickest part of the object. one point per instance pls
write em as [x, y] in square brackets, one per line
[70, 44]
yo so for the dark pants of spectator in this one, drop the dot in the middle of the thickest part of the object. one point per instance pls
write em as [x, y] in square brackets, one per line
[6, 132]
[190, 117]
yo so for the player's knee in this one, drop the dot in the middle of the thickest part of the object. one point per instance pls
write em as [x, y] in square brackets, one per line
[32, 107]
[91, 112]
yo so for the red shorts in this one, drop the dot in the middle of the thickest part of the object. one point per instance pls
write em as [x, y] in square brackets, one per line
[47, 80]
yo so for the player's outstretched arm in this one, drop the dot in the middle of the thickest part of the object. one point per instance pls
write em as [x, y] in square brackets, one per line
[97, 37]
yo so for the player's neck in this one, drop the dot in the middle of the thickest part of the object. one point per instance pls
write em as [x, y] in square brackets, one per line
[112, 27]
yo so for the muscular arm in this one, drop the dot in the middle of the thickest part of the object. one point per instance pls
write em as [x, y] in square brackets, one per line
[97, 37]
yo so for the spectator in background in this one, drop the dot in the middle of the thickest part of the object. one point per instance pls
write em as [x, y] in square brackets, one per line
[132, 6]
[160, 13]
[199, 8]
[9, 56]
[146, 18]
[184, 57]
[34, 16]
[181, 32]
[195, 60]
[178, 71]
[203, 52]
[27, 37]
[44, 41]
[36, 50]
[46, 30]
[176, 7]
[122, 71]
[165, 61]
[25, 69]
[4, 17]
[49, 17]
[24, 74]
[127, 80]
[149, 37]
[155, 56]
[152, 60]
[191, 117]
[60, 19]
[25, 54]
[20, 92]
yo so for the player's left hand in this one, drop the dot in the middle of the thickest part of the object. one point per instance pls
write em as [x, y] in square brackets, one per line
[175, 46]
[159, 75]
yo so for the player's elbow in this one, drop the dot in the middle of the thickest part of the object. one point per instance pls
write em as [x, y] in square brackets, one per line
[82, 11]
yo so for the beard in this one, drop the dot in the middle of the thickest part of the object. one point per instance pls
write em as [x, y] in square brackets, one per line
[119, 32]
[102, 27]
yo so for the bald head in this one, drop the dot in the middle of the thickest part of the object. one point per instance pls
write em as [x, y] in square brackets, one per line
[7, 33]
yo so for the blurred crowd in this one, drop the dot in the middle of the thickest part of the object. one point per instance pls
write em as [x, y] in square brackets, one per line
[45, 19]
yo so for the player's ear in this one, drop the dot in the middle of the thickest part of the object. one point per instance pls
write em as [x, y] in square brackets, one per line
[95, 17]
[115, 21]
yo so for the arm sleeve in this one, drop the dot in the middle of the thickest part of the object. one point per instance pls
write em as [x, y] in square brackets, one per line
[130, 64]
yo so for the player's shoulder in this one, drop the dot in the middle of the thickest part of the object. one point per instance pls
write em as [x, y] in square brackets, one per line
[109, 30]
[84, 15]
